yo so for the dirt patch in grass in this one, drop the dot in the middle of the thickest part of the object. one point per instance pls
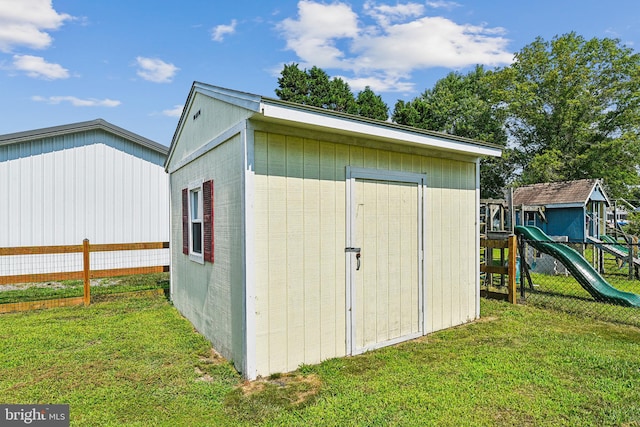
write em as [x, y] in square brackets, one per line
[302, 387]
[213, 357]
[253, 401]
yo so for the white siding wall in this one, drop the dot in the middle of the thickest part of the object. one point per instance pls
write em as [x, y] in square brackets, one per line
[211, 295]
[59, 191]
[300, 238]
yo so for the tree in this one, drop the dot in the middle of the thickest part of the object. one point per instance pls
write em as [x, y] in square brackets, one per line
[341, 98]
[293, 84]
[464, 105]
[315, 87]
[573, 110]
[319, 88]
[371, 105]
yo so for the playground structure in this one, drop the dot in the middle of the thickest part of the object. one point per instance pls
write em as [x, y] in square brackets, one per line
[501, 220]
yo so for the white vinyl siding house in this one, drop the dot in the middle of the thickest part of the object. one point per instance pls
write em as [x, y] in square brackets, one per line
[334, 234]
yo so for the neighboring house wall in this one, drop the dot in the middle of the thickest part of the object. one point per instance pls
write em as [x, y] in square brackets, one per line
[300, 238]
[211, 295]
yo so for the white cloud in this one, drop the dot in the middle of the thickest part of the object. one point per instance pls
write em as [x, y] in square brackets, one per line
[156, 70]
[441, 4]
[385, 14]
[385, 44]
[314, 33]
[25, 23]
[77, 102]
[218, 32]
[37, 67]
[176, 111]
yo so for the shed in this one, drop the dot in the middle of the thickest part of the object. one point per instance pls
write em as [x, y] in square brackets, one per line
[576, 209]
[301, 234]
[62, 184]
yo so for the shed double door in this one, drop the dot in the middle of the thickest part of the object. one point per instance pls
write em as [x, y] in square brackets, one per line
[384, 258]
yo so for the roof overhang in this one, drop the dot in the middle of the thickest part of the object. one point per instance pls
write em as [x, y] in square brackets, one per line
[277, 111]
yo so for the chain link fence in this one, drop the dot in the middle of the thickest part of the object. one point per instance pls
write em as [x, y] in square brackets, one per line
[599, 281]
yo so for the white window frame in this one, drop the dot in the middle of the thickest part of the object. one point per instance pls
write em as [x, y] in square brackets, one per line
[195, 188]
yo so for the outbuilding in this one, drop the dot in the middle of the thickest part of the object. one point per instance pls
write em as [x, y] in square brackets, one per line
[575, 209]
[301, 234]
[93, 180]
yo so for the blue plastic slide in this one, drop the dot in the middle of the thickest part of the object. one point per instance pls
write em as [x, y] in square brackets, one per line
[583, 272]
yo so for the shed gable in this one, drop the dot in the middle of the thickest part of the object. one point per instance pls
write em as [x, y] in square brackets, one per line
[204, 118]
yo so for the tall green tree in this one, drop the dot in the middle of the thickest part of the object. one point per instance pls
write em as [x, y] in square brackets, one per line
[315, 87]
[574, 111]
[293, 84]
[341, 98]
[371, 105]
[464, 105]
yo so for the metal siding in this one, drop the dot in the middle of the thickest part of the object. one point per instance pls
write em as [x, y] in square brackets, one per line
[60, 190]
[211, 295]
[299, 215]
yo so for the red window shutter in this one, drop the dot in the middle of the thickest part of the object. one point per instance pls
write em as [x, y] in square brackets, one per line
[185, 221]
[207, 206]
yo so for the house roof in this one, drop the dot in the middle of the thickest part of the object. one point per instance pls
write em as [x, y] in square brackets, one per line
[564, 193]
[277, 111]
[98, 124]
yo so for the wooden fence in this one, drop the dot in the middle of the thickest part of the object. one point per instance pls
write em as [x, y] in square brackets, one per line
[86, 274]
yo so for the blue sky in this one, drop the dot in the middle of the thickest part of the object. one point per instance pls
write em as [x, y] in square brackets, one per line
[132, 62]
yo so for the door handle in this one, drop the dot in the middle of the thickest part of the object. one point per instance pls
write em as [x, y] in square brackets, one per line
[358, 261]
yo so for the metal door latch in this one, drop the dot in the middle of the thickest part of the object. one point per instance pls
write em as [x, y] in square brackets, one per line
[357, 252]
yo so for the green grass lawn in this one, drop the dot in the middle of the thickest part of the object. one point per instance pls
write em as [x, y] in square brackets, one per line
[75, 288]
[136, 361]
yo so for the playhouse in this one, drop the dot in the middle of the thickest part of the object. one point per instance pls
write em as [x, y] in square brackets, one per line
[575, 209]
[300, 234]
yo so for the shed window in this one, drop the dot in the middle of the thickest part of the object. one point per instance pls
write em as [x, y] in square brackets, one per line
[197, 221]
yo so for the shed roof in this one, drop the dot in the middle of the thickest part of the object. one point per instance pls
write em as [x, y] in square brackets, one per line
[566, 193]
[288, 113]
[100, 124]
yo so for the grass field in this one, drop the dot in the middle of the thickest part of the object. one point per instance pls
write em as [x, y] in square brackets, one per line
[135, 361]
[75, 288]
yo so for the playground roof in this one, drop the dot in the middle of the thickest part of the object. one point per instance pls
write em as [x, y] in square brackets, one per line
[560, 194]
